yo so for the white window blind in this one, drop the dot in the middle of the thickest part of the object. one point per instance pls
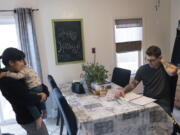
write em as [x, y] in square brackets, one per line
[128, 34]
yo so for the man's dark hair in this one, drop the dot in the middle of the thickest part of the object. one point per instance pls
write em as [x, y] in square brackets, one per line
[153, 51]
[12, 54]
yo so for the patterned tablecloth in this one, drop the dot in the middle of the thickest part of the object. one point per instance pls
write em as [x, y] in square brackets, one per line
[108, 116]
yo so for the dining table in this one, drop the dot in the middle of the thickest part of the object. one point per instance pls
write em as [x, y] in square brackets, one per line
[107, 115]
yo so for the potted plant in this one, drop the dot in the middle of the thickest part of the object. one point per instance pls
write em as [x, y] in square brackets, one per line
[94, 74]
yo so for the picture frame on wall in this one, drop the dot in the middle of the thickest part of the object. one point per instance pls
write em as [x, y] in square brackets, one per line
[68, 41]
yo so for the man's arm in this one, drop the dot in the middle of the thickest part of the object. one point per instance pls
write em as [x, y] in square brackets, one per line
[170, 68]
[131, 85]
[127, 89]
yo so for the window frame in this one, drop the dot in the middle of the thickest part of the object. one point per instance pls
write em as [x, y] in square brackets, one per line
[140, 52]
[140, 62]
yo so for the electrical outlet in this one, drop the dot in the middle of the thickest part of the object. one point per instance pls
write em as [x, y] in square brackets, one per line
[93, 50]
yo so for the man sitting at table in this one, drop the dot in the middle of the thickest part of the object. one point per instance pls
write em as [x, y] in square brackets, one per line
[154, 76]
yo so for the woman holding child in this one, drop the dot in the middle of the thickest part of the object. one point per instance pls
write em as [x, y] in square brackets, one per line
[21, 86]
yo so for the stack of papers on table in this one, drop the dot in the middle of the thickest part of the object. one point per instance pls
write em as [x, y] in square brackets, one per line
[137, 99]
[143, 100]
[130, 96]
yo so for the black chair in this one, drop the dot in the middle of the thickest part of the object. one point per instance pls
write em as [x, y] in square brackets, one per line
[176, 128]
[69, 117]
[173, 84]
[53, 84]
[121, 76]
[57, 94]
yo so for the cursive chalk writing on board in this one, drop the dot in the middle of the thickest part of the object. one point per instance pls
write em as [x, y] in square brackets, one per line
[69, 43]
[69, 34]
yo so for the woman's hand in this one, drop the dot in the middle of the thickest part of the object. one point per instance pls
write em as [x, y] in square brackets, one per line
[3, 74]
[43, 97]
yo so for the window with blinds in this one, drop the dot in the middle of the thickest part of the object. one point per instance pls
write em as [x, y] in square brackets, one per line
[128, 40]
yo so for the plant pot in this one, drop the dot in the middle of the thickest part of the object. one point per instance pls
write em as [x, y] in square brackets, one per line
[96, 86]
[101, 93]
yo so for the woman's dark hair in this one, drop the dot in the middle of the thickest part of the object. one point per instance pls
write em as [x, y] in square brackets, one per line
[12, 54]
[153, 51]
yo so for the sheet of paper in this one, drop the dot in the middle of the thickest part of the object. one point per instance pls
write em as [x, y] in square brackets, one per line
[142, 100]
[130, 96]
[110, 94]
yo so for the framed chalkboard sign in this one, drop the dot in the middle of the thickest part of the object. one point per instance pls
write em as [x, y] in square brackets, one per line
[68, 41]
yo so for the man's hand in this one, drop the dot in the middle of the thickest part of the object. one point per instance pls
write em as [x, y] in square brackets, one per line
[39, 123]
[162, 60]
[43, 97]
[119, 93]
[128, 88]
[2, 74]
[170, 68]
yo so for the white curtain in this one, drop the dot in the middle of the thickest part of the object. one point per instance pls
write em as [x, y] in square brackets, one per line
[27, 37]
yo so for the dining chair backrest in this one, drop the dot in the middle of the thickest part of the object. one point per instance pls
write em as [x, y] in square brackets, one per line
[173, 84]
[52, 81]
[121, 76]
[67, 113]
[53, 84]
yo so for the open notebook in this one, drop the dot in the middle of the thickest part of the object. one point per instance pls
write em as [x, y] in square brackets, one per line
[137, 99]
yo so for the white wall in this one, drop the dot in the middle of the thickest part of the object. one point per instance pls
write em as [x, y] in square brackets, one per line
[98, 16]
[175, 17]
[98, 29]
[98, 19]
